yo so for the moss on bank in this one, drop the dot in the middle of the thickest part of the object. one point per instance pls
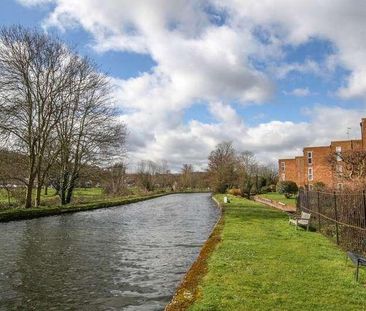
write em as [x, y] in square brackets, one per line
[187, 291]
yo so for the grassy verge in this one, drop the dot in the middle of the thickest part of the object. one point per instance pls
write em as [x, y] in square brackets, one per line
[279, 198]
[21, 213]
[262, 263]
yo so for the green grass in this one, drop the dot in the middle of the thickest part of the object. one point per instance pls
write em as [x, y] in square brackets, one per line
[279, 198]
[262, 263]
[80, 195]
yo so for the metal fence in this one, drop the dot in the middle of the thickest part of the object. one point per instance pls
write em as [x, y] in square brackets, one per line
[340, 216]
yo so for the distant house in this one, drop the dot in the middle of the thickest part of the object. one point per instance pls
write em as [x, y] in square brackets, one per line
[313, 166]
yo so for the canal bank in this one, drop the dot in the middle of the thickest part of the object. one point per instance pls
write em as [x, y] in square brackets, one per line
[262, 263]
[187, 291]
[44, 211]
[30, 213]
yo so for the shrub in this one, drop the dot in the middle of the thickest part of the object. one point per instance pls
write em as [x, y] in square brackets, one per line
[272, 188]
[319, 186]
[288, 188]
[265, 189]
[234, 191]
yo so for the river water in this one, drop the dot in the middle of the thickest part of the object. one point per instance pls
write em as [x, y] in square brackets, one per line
[130, 257]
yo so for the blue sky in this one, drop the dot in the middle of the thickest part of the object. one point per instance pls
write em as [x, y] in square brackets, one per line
[190, 74]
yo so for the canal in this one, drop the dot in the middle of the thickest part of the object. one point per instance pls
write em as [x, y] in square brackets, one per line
[130, 257]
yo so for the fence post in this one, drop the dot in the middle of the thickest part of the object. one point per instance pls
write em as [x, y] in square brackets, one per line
[318, 210]
[336, 216]
[298, 200]
[364, 208]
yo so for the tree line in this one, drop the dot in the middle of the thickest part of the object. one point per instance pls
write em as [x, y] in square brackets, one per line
[56, 113]
[229, 169]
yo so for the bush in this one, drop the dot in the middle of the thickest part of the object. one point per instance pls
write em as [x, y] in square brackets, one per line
[272, 188]
[265, 189]
[319, 186]
[234, 191]
[287, 188]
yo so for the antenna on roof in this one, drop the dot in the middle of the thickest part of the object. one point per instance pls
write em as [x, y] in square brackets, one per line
[348, 129]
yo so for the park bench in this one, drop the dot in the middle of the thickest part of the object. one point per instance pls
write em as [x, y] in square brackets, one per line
[303, 220]
[358, 260]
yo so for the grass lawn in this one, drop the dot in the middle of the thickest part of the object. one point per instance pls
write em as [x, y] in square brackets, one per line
[279, 198]
[80, 195]
[262, 263]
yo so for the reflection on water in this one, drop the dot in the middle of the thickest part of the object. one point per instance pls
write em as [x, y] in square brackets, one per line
[124, 258]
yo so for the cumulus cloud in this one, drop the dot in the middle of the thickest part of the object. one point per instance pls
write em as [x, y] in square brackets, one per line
[296, 22]
[220, 52]
[299, 92]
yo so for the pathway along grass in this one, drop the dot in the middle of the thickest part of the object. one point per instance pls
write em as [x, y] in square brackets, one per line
[279, 198]
[262, 263]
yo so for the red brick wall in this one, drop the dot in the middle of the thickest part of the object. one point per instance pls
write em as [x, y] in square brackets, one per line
[290, 172]
[322, 171]
[300, 177]
[297, 169]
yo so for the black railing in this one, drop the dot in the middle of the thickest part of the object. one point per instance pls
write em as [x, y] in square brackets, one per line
[340, 216]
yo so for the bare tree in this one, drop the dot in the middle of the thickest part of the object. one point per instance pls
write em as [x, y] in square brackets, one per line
[115, 179]
[349, 166]
[146, 172]
[221, 167]
[56, 108]
[34, 71]
[186, 176]
[88, 131]
[247, 172]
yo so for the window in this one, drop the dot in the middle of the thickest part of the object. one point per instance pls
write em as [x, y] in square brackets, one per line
[283, 177]
[340, 186]
[283, 166]
[310, 174]
[310, 157]
[338, 152]
[339, 169]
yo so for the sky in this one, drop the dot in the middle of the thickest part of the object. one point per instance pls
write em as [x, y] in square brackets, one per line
[270, 76]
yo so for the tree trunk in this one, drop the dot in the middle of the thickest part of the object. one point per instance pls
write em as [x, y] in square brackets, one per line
[38, 195]
[70, 191]
[28, 197]
[8, 192]
[71, 186]
[46, 189]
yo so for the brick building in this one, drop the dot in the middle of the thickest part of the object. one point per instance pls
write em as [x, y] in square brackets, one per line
[313, 166]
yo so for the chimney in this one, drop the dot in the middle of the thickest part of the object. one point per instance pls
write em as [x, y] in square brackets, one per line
[363, 133]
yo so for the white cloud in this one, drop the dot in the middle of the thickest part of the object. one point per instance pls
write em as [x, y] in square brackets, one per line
[201, 61]
[295, 22]
[299, 92]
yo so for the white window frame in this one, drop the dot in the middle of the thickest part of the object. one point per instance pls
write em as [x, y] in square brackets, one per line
[309, 157]
[283, 166]
[283, 176]
[310, 174]
[338, 152]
